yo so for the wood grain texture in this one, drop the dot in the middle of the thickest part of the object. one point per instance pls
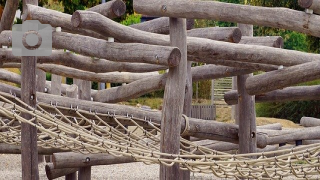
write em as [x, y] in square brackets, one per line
[199, 49]
[246, 108]
[270, 41]
[297, 93]
[282, 78]
[262, 16]
[309, 121]
[53, 173]
[311, 4]
[83, 62]
[8, 14]
[55, 84]
[159, 25]
[227, 34]
[173, 100]
[110, 9]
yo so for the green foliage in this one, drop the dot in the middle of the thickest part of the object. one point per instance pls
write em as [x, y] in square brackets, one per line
[70, 6]
[131, 19]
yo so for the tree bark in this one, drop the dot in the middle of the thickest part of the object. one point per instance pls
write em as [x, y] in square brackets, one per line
[8, 14]
[262, 16]
[110, 9]
[311, 4]
[282, 78]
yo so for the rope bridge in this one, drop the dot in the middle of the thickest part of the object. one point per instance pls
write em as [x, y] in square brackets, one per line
[92, 132]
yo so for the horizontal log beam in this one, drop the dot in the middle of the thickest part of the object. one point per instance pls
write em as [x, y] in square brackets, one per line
[270, 41]
[274, 126]
[110, 9]
[159, 25]
[199, 49]
[227, 34]
[53, 173]
[263, 16]
[310, 4]
[147, 85]
[120, 52]
[16, 149]
[76, 160]
[282, 78]
[84, 63]
[297, 93]
[309, 122]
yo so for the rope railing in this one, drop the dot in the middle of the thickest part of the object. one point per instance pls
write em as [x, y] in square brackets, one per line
[93, 132]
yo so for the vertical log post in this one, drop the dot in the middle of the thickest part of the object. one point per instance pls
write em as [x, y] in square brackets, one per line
[29, 149]
[56, 79]
[174, 100]
[234, 108]
[246, 107]
[84, 92]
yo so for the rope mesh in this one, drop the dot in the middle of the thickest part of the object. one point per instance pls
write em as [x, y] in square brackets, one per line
[93, 132]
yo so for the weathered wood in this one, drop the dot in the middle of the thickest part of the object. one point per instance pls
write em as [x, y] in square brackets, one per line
[234, 108]
[16, 149]
[275, 126]
[173, 100]
[53, 173]
[307, 142]
[76, 160]
[85, 63]
[309, 121]
[270, 41]
[199, 49]
[311, 4]
[55, 84]
[246, 105]
[110, 9]
[71, 176]
[245, 65]
[72, 91]
[8, 14]
[147, 85]
[282, 78]
[9, 76]
[263, 16]
[159, 25]
[29, 150]
[298, 93]
[227, 34]
[41, 80]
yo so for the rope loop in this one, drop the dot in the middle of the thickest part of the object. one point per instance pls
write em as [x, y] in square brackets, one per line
[187, 127]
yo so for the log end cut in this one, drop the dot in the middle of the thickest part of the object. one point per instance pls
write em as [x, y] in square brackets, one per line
[118, 8]
[305, 3]
[76, 19]
[174, 58]
[236, 36]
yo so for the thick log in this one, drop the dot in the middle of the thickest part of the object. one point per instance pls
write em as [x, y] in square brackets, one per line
[9, 76]
[110, 9]
[262, 16]
[53, 173]
[311, 4]
[307, 142]
[275, 126]
[84, 63]
[122, 52]
[76, 160]
[270, 41]
[227, 34]
[16, 149]
[199, 49]
[298, 93]
[282, 78]
[309, 121]
[159, 25]
[198, 128]
[147, 85]
[173, 100]
[8, 14]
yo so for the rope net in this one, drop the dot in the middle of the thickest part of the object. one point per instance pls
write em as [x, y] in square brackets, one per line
[92, 132]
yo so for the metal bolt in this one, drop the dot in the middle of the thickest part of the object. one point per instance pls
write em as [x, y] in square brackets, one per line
[164, 8]
[87, 160]
[157, 57]
[31, 97]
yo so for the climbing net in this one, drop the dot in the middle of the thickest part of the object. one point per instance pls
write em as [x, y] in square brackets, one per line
[92, 132]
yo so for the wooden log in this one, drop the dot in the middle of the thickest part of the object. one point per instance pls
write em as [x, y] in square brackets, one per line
[275, 126]
[245, 65]
[53, 173]
[307, 142]
[310, 4]
[55, 84]
[112, 77]
[174, 100]
[198, 128]
[8, 14]
[76, 160]
[41, 82]
[83, 62]
[227, 34]
[16, 149]
[110, 9]
[199, 49]
[72, 91]
[270, 41]
[9, 76]
[262, 16]
[298, 93]
[309, 121]
[29, 150]
[147, 85]
[159, 25]
[282, 78]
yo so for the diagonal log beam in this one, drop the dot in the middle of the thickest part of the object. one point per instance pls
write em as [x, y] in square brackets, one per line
[8, 14]
[282, 78]
[199, 49]
[270, 41]
[262, 16]
[227, 34]
[110, 9]
[298, 93]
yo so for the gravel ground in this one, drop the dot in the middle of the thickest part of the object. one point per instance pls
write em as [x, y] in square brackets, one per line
[10, 169]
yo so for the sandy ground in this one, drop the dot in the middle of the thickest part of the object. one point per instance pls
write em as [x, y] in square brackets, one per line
[10, 169]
